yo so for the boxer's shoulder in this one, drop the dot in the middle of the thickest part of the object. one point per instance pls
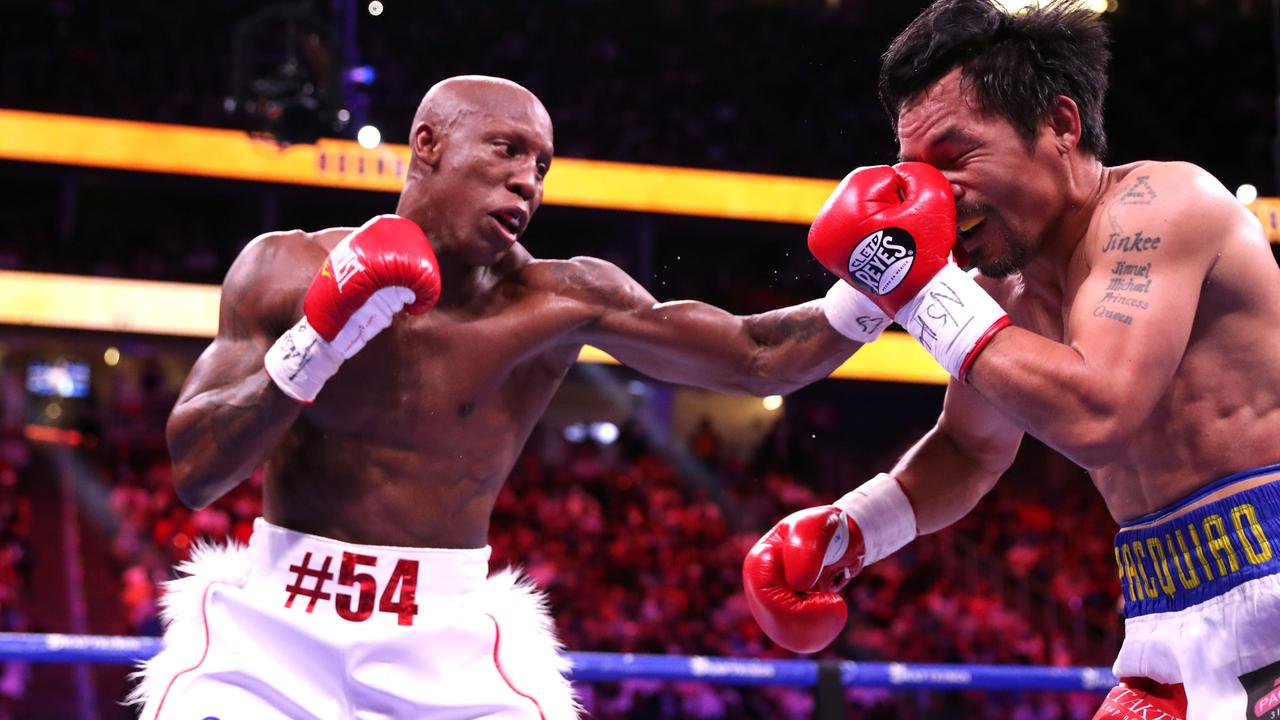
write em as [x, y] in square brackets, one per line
[1162, 209]
[582, 278]
[270, 276]
[292, 245]
[1167, 192]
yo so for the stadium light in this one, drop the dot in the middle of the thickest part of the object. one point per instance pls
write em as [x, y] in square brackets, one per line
[772, 402]
[604, 432]
[1247, 193]
[369, 137]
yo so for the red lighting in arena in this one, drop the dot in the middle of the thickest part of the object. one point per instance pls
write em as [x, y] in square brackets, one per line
[60, 436]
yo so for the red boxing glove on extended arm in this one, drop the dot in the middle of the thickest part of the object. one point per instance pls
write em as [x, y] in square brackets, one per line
[889, 232]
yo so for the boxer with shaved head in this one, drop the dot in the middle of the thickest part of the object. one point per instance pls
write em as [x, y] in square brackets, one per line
[388, 376]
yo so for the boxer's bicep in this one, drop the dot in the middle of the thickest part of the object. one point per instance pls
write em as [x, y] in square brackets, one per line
[698, 344]
[681, 342]
[1131, 318]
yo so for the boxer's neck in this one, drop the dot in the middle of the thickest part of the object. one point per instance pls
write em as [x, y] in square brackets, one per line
[1084, 183]
[461, 282]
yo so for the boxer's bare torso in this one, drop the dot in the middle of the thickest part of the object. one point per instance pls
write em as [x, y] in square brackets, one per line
[1219, 412]
[410, 442]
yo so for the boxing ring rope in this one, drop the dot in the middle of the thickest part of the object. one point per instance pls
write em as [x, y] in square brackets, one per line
[831, 675]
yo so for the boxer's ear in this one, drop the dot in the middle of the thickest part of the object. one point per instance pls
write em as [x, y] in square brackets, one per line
[1063, 120]
[426, 143]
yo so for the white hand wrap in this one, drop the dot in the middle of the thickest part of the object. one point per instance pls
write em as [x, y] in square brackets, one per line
[300, 361]
[884, 514]
[853, 314]
[951, 317]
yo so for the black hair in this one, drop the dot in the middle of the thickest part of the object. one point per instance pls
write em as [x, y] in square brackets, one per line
[1015, 64]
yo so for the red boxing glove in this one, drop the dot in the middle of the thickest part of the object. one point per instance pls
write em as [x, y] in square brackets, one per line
[384, 266]
[793, 577]
[889, 231]
[387, 253]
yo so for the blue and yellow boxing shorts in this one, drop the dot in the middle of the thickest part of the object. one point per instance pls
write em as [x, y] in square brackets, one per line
[1201, 586]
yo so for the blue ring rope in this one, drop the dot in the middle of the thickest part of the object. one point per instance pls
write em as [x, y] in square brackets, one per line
[598, 666]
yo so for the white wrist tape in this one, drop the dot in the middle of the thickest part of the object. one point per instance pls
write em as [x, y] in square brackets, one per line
[301, 361]
[852, 314]
[950, 316]
[883, 512]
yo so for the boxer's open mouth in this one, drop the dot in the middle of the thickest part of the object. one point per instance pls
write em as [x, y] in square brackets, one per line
[967, 227]
[511, 219]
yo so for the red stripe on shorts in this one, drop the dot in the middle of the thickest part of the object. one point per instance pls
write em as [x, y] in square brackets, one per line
[497, 638]
[204, 617]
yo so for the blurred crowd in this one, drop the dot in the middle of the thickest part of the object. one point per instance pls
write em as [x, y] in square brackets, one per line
[16, 589]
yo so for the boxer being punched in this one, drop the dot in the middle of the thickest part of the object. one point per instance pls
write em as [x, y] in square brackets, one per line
[388, 375]
[1139, 341]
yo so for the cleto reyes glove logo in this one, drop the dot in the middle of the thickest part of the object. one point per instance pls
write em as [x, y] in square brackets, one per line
[344, 262]
[882, 259]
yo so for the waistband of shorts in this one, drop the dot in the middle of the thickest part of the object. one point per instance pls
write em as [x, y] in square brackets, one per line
[298, 559]
[1202, 546]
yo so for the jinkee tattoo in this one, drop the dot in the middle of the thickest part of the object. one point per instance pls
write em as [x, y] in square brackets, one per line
[1130, 282]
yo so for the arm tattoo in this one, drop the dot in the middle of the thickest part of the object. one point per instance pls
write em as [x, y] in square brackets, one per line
[1130, 281]
[1138, 193]
[793, 324]
[1126, 292]
[1120, 241]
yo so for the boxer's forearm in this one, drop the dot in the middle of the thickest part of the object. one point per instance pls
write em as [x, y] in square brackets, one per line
[943, 481]
[1050, 390]
[795, 346]
[219, 437]
[693, 343]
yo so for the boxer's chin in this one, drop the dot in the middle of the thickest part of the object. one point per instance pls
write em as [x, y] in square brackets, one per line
[1012, 255]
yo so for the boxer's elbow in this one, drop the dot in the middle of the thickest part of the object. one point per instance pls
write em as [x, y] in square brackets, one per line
[194, 491]
[1098, 433]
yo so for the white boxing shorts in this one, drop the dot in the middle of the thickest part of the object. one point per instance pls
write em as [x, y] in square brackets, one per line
[1201, 586]
[301, 626]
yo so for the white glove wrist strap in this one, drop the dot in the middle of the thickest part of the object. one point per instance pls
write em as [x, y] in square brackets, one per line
[883, 513]
[949, 316]
[301, 361]
[852, 314]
